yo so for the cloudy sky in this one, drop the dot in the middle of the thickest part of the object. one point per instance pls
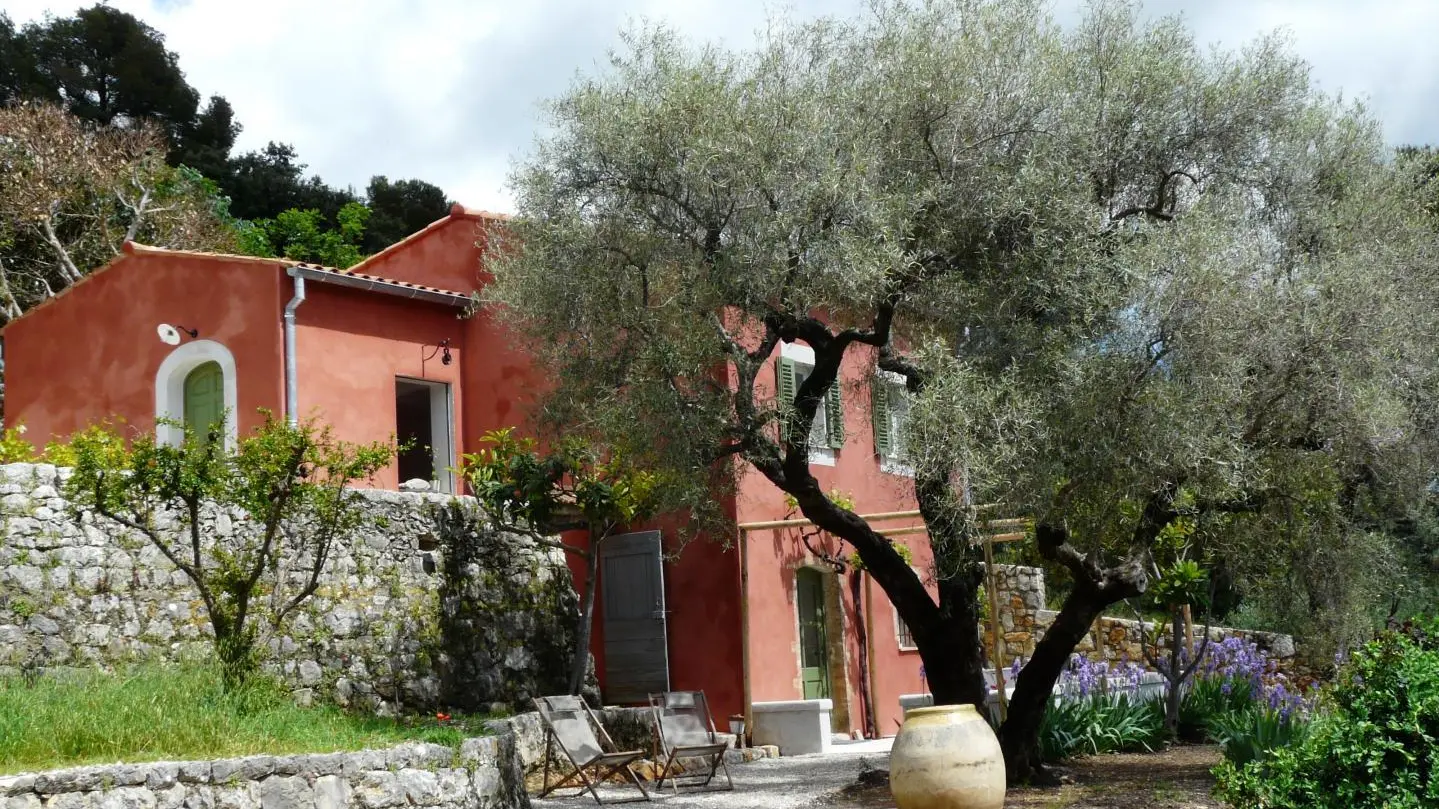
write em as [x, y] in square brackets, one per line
[448, 90]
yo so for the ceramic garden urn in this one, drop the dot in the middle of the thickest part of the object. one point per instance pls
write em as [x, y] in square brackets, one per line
[946, 757]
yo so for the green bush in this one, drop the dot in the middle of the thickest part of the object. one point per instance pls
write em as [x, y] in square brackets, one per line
[1250, 734]
[1374, 743]
[1100, 723]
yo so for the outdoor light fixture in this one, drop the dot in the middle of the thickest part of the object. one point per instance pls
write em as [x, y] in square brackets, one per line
[170, 335]
[443, 349]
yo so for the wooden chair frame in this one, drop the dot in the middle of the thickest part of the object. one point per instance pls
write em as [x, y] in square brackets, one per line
[603, 764]
[672, 746]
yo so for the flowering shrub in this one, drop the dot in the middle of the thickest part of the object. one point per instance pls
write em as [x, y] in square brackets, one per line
[1237, 698]
[1255, 732]
[1237, 679]
[1085, 677]
[1100, 723]
[1374, 743]
[13, 446]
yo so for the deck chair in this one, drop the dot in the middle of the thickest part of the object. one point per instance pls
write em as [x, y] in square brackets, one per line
[686, 729]
[570, 724]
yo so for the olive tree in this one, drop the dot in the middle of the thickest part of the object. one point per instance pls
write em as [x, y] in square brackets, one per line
[1125, 281]
[289, 484]
[72, 193]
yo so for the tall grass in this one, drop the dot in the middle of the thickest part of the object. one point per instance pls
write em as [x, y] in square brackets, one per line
[181, 712]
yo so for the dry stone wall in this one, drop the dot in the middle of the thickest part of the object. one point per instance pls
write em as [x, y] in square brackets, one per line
[422, 606]
[1023, 618]
[483, 773]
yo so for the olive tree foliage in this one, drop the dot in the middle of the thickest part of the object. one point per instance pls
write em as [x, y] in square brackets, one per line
[1125, 279]
[72, 193]
[575, 487]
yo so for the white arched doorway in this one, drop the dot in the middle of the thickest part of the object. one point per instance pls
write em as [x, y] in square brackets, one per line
[170, 388]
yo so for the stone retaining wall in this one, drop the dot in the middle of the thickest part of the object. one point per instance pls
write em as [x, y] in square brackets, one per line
[482, 774]
[1024, 616]
[400, 619]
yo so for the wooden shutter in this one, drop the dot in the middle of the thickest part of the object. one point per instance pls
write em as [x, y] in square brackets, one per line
[834, 415]
[879, 410]
[787, 386]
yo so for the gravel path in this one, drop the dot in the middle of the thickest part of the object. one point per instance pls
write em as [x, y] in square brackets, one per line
[774, 783]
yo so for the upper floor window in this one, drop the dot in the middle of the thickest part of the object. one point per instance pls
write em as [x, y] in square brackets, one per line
[890, 401]
[795, 364]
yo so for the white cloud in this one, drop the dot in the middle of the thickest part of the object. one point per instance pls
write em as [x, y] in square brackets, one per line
[448, 90]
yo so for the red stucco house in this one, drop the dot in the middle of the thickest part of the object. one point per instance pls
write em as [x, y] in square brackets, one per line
[391, 347]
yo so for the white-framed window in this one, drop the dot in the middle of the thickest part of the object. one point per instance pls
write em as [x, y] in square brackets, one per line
[826, 434]
[190, 380]
[902, 633]
[889, 406]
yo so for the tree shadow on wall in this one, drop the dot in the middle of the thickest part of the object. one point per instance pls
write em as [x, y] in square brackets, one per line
[507, 613]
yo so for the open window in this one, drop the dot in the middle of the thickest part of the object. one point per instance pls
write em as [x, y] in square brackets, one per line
[423, 426]
[826, 434]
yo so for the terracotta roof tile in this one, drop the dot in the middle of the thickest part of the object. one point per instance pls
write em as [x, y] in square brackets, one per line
[457, 211]
[379, 279]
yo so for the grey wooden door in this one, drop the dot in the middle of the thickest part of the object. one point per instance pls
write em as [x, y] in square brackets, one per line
[633, 587]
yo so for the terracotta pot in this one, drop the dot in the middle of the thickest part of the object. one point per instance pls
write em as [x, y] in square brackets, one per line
[946, 757]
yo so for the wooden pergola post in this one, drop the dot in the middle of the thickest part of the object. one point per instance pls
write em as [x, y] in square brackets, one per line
[992, 585]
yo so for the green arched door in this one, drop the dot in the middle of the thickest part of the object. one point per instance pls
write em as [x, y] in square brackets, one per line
[204, 399]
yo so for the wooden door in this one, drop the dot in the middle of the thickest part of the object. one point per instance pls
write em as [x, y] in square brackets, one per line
[813, 650]
[633, 588]
[204, 399]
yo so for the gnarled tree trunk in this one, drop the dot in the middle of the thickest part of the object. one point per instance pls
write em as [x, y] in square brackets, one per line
[1033, 690]
[1095, 588]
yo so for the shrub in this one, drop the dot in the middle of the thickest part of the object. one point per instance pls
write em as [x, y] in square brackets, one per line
[1100, 723]
[13, 446]
[290, 481]
[1210, 699]
[1235, 679]
[1255, 732]
[1372, 745]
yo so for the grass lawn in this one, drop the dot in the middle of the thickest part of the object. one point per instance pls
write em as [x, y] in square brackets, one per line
[157, 712]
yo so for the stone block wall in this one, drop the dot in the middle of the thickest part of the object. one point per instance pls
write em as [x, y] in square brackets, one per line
[1024, 616]
[1118, 639]
[1020, 594]
[482, 774]
[422, 606]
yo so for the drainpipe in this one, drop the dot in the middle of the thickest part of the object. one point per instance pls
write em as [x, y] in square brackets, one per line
[292, 387]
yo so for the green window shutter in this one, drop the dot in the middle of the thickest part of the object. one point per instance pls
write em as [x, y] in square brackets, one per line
[834, 415]
[204, 399]
[787, 385]
[879, 410]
